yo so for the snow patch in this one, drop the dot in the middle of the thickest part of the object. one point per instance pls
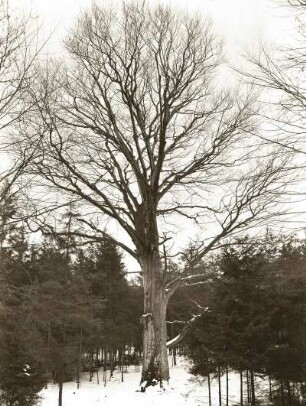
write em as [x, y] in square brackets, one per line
[183, 389]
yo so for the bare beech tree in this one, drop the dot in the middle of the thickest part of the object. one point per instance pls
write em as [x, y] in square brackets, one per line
[134, 130]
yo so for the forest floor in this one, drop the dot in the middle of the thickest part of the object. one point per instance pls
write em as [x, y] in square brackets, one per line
[183, 390]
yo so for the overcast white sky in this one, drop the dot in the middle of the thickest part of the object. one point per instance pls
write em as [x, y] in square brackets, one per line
[241, 22]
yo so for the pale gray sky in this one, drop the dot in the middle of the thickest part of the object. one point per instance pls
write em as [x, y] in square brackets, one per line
[241, 22]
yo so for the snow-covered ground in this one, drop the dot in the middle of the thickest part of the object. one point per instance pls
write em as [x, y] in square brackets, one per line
[183, 390]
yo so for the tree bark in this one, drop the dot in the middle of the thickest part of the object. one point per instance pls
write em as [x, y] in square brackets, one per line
[289, 393]
[60, 385]
[219, 386]
[253, 395]
[155, 368]
[209, 389]
[91, 366]
[226, 386]
[248, 386]
[270, 389]
[60, 379]
[282, 392]
[241, 387]
[174, 356]
[60, 393]
[79, 364]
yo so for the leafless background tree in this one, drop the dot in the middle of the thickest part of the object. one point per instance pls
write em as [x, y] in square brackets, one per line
[136, 128]
[279, 73]
[18, 49]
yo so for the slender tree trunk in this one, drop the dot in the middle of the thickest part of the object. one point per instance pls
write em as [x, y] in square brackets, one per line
[248, 386]
[111, 350]
[121, 356]
[122, 365]
[79, 366]
[60, 383]
[91, 366]
[282, 392]
[209, 389]
[98, 379]
[104, 375]
[226, 386]
[253, 396]
[155, 360]
[48, 351]
[104, 361]
[241, 388]
[174, 356]
[60, 393]
[219, 383]
[111, 362]
[289, 393]
[270, 389]
[172, 350]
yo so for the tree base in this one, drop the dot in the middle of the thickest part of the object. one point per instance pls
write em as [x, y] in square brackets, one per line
[146, 384]
[159, 386]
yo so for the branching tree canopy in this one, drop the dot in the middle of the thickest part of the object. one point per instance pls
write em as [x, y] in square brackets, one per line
[280, 73]
[18, 50]
[17, 55]
[137, 128]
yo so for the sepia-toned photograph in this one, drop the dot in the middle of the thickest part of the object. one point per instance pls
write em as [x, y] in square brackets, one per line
[152, 202]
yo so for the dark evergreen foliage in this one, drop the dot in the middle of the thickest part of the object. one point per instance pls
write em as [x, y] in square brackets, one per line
[256, 320]
[58, 306]
[21, 375]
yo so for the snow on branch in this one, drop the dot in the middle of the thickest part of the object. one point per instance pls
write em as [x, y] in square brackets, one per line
[176, 322]
[187, 326]
[145, 318]
[187, 281]
[181, 335]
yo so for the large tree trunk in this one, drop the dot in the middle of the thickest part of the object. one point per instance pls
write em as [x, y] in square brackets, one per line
[155, 368]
